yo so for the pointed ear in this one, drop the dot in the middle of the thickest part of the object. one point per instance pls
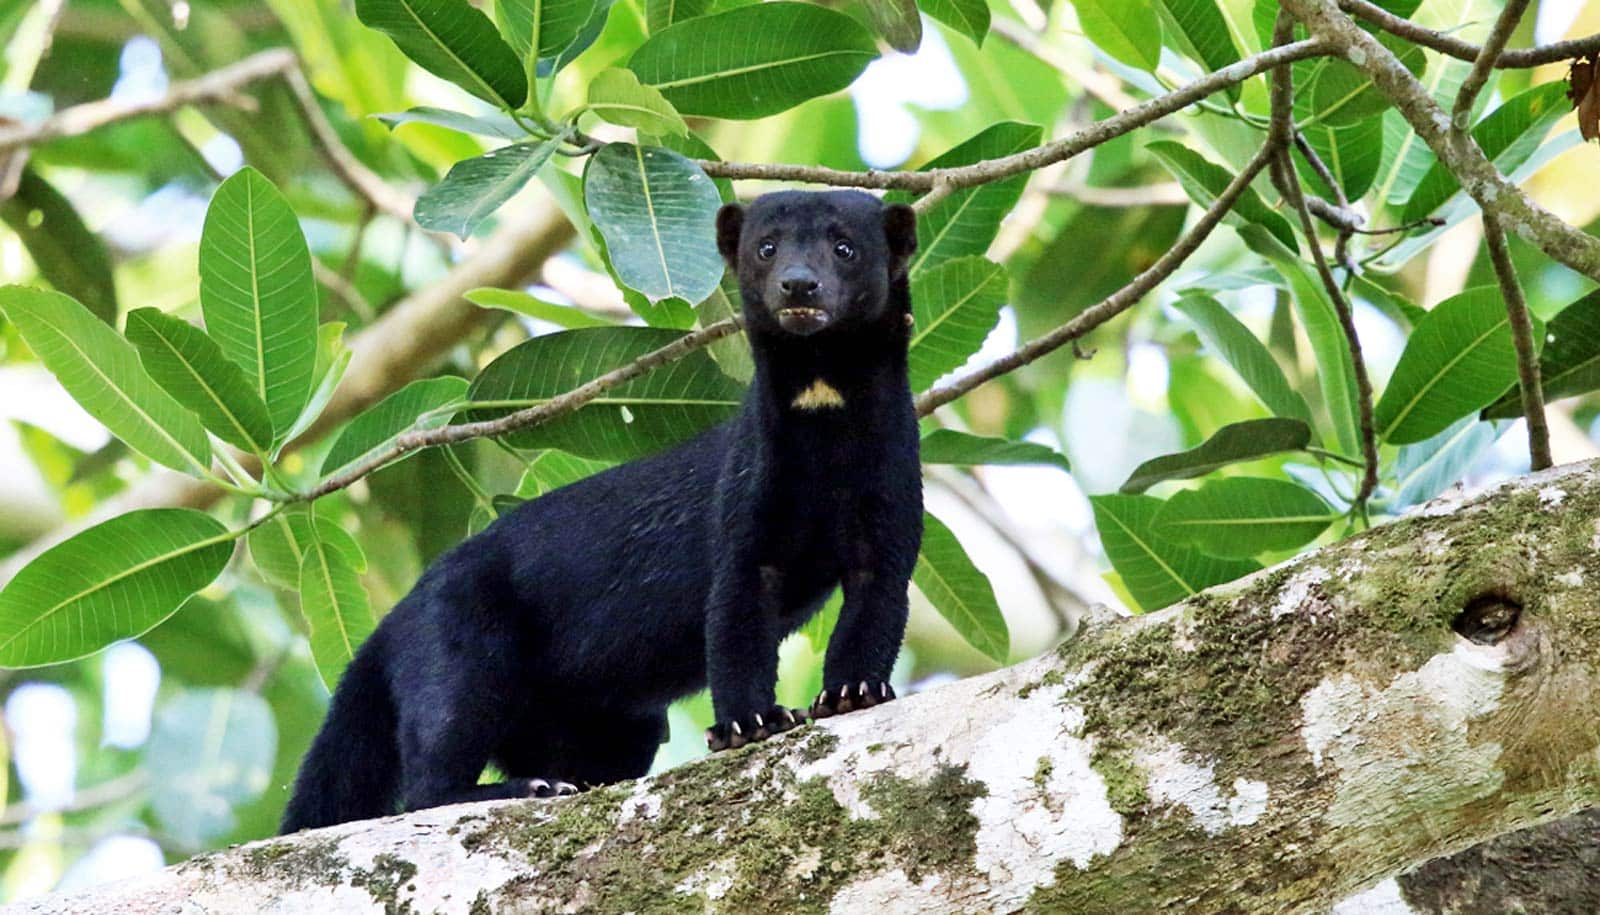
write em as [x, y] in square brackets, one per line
[730, 219]
[900, 231]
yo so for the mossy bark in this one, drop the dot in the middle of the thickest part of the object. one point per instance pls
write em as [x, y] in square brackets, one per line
[1274, 745]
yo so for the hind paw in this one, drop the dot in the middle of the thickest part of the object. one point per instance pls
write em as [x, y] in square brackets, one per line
[540, 787]
[730, 735]
[850, 697]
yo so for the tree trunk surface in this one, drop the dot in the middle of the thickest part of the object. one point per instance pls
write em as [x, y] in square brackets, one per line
[1286, 743]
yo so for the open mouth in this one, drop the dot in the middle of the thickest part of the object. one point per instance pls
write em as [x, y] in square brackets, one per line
[802, 320]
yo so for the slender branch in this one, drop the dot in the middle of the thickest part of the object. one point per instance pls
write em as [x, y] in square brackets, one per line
[1455, 150]
[553, 408]
[1029, 160]
[1462, 50]
[1522, 339]
[1461, 117]
[1112, 305]
[219, 86]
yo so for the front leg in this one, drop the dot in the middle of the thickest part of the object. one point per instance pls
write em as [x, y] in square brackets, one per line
[742, 651]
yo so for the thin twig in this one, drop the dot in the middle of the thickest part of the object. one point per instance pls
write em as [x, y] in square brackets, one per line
[1462, 50]
[1522, 338]
[1102, 86]
[553, 408]
[1140, 195]
[1112, 305]
[1478, 77]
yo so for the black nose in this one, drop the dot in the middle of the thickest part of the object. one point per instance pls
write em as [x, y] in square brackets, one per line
[798, 285]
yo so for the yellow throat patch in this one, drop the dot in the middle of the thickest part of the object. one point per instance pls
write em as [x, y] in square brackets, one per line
[820, 396]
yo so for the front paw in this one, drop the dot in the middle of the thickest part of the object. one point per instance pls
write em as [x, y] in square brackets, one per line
[730, 735]
[848, 698]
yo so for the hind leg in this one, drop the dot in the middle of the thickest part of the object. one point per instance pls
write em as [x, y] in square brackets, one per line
[587, 750]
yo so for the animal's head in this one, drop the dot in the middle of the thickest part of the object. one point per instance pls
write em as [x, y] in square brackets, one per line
[808, 261]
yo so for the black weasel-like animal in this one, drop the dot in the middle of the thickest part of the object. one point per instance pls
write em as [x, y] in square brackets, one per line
[552, 642]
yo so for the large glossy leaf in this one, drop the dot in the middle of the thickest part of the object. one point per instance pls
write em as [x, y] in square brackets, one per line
[959, 591]
[969, 17]
[1337, 93]
[1128, 30]
[956, 305]
[103, 373]
[551, 25]
[1335, 370]
[192, 368]
[552, 469]
[949, 446]
[1155, 570]
[257, 292]
[210, 752]
[1352, 152]
[493, 124]
[66, 253]
[1231, 340]
[640, 417]
[1429, 467]
[1457, 361]
[476, 187]
[1203, 26]
[1203, 180]
[278, 546]
[966, 222]
[1570, 363]
[415, 406]
[1233, 443]
[752, 61]
[453, 40]
[661, 13]
[336, 608]
[898, 21]
[616, 95]
[112, 581]
[657, 211]
[522, 303]
[1239, 517]
[1508, 135]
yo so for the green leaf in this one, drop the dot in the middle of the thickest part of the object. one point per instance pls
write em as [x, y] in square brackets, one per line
[66, 253]
[1335, 370]
[969, 17]
[1128, 30]
[192, 368]
[1154, 569]
[657, 211]
[1353, 153]
[336, 608]
[898, 21]
[257, 292]
[959, 591]
[278, 546]
[1429, 467]
[631, 420]
[732, 353]
[1457, 361]
[1204, 180]
[1203, 25]
[567, 316]
[103, 373]
[333, 358]
[752, 61]
[1239, 517]
[617, 96]
[453, 40]
[966, 222]
[115, 580]
[552, 469]
[819, 629]
[415, 406]
[476, 187]
[210, 753]
[948, 446]
[1233, 342]
[1338, 94]
[1235, 442]
[552, 25]
[956, 305]
[661, 13]
[1570, 363]
[492, 124]
[1508, 135]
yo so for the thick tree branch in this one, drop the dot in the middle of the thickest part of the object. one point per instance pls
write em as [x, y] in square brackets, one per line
[1456, 150]
[1522, 339]
[1273, 745]
[1555, 52]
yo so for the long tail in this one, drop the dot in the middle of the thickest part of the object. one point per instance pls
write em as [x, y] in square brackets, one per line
[352, 770]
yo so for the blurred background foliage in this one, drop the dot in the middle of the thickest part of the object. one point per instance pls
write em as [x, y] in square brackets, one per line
[187, 737]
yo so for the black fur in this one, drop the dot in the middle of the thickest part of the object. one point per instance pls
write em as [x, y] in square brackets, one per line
[552, 643]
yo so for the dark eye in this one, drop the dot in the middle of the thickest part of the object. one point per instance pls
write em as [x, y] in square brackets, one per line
[844, 249]
[766, 249]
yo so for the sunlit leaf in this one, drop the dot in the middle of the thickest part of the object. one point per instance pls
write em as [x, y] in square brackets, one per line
[956, 305]
[1128, 30]
[617, 96]
[1240, 517]
[969, 17]
[657, 211]
[1156, 570]
[959, 591]
[1239, 348]
[522, 303]
[452, 39]
[192, 368]
[1570, 363]
[492, 124]
[949, 446]
[1244, 441]
[278, 546]
[336, 608]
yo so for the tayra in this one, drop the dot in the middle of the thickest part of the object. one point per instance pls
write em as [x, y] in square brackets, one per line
[551, 643]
